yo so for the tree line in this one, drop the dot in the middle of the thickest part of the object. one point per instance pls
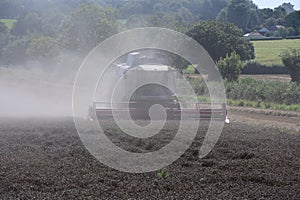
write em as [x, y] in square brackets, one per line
[44, 29]
[243, 13]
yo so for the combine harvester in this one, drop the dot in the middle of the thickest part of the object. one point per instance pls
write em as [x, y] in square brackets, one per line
[139, 69]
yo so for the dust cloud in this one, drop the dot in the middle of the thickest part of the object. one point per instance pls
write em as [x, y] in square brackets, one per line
[35, 90]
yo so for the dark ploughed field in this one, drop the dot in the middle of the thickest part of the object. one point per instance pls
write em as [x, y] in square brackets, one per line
[45, 159]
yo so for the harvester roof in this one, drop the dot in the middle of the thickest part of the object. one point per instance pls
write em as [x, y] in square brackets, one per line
[153, 67]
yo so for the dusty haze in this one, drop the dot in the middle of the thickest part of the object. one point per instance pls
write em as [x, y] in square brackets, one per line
[35, 90]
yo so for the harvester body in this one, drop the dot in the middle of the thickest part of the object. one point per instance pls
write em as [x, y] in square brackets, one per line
[132, 97]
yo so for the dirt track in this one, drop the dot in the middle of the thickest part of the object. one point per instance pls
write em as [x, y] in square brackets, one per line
[269, 118]
[45, 159]
[274, 77]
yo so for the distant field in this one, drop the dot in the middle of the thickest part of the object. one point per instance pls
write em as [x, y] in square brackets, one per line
[268, 52]
[8, 22]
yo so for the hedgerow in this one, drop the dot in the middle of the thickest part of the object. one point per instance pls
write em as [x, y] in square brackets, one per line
[266, 91]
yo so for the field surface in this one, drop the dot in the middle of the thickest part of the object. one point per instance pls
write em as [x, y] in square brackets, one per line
[268, 52]
[45, 159]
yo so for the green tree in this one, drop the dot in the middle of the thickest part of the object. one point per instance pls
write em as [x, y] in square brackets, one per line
[293, 20]
[15, 51]
[209, 9]
[279, 13]
[169, 20]
[10, 9]
[220, 39]
[282, 32]
[4, 38]
[291, 31]
[288, 7]
[185, 12]
[270, 23]
[27, 24]
[3, 28]
[242, 13]
[87, 26]
[136, 21]
[291, 59]
[264, 14]
[131, 8]
[51, 24]
[230, 67]
[43, 49]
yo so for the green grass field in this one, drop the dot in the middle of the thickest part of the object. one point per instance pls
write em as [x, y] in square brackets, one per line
[268, 52]
[8, 22]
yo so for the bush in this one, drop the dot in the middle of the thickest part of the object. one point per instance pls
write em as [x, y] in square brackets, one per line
[263, 92]
[241, 103]
[199, 86]
[266, 38]
[293, 37]
[291, 59]
[254, 67]
[189, 70]
[230, 67]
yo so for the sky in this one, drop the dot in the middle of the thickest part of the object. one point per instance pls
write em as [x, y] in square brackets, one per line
[276, 3]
